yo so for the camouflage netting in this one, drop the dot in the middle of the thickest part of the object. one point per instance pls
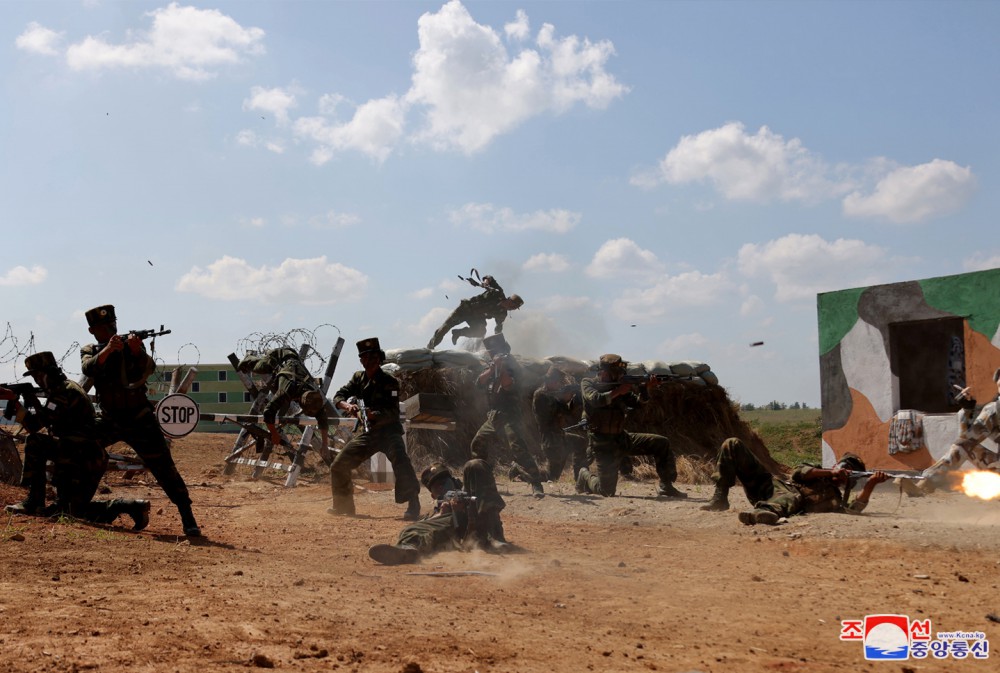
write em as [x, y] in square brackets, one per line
[692, 410]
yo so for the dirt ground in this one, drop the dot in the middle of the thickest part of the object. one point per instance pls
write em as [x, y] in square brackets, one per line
[602, 584]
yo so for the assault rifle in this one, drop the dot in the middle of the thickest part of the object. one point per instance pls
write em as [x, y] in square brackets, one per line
[864, 475]
[261, 435]
[27, 392]
[145, 333]
[363, 415]
[581, 425]
[645, 378]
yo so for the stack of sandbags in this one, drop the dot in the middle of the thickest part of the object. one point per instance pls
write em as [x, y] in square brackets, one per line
[572, 366]
[410, 359]
[697, 372]
[459, 358]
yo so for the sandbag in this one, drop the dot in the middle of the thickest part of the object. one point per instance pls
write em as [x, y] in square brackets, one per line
[569, 365]
[456, 358]
[710, 378]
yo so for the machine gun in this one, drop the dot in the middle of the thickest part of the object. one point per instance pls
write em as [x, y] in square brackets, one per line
[27, 392]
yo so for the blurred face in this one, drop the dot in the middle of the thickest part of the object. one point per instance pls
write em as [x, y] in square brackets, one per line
[104, 331]
[370, 360]
[40, 379]
[612, 374]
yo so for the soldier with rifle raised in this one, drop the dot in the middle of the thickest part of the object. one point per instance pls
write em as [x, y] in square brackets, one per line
[556, 404]
[119, 366]
[72, 444]
[375, 396]
[607, 399]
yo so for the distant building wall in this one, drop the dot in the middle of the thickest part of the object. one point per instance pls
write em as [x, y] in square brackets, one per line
[904, 346]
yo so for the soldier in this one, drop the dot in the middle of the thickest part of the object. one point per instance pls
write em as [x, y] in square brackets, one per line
[810, 489]
[606, 403]
[460, 518]
[119, 368]
[379, 392]
[503, 421]
[556, 405]
[290, 382]
[491, 303]
[975, 429]
[73, 446]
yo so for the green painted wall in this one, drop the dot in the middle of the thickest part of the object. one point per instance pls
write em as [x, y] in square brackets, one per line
[838, 311]
[973, 296]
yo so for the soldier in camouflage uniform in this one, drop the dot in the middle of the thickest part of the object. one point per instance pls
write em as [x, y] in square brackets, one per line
[492, 303]
[461, 518]
[810, 489]
[606, 402]
[289, 382]
[380, 393]
[974, 430]
[119, 368]
[73, 446]
[503, 421]
[556, 405]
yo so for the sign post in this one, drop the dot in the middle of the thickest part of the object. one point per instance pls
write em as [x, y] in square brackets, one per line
[178, 415]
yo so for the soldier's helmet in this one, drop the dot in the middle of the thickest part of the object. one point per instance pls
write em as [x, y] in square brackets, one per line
[101, 315]
[40, 362]
[852, 461]
[433, 473]
[517, 301]
[612, 362]
[312, 402]
[496, 344]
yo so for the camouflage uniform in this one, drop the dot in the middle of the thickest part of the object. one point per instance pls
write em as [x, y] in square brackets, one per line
[974, 430]
[774, 494]
[504, 423]
[73, 446]
[452, 530]
[475, 311]
[552, 414]
[609, 442]
[290, 380]
[381, 397]
[128, 416]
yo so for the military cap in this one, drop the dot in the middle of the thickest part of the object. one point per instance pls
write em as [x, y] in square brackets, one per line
[433, 473]
[852, 461]
[101, 315]
[368, 345]
[516, 298]
[496, 344]
[40, 362]
[312, 402]
[612, 361]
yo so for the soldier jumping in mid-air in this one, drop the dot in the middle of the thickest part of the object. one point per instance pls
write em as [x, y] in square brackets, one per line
[475, 311]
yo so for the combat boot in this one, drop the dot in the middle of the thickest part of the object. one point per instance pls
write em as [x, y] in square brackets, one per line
[138, 511]
[412, 512]
[343, 505]
[28, 507]
[762, 516]
[188, 523]
[583, 481]
[666, 490]
[719, 501]
[394, 554]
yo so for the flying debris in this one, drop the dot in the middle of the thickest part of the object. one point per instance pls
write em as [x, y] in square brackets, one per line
[756, 343]
[148, 262]
[633, 325]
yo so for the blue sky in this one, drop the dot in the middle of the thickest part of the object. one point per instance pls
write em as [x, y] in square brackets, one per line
[665, 180]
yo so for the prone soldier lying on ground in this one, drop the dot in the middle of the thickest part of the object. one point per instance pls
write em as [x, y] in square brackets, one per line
[810, 489]
[465, 516]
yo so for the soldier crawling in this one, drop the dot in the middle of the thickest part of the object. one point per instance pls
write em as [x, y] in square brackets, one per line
[461, 518]
[475, 311]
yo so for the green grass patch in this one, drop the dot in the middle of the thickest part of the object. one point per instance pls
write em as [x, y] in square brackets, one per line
[791, 436]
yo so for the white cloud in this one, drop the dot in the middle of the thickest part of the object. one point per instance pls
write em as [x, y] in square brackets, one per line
[429, 322]
[294, 281]
[621, 257]
[255, 222]
[691, 288]
[680, 346]
[422, 293]
[982, 262]
[518, 29]
[247, 138]
[188, 42]
[488, 218]
[742, 167]
[374, 130]
[557, 303]
[751, 305]
[801, 266]
[542, 262]
[473, 90]
[39, 40]
[276, 102]
[22, 275]
[915, 193]
[335, 220]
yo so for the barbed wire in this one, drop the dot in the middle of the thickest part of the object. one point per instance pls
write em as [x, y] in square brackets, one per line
[262, 342]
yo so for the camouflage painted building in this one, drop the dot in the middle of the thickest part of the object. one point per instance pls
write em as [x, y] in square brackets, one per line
[890, 358]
